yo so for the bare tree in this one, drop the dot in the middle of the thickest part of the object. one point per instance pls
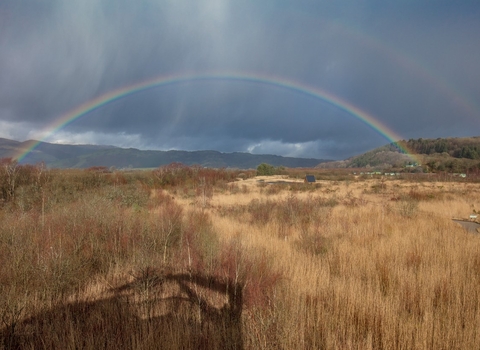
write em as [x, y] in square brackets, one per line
[10, 170]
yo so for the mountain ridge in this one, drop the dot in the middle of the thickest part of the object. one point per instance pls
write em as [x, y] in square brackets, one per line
[85, 156]
[441, 154]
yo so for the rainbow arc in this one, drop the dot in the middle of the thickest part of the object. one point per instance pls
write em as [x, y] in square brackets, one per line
[290, 85]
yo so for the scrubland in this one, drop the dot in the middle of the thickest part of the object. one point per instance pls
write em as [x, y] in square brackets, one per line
[198, 258]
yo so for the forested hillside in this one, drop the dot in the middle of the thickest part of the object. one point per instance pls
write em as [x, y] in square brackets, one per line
[454, 155]
[466, 147]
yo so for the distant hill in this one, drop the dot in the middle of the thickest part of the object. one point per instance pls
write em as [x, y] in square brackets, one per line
[458, 154]
[85, 156]
[383, 157]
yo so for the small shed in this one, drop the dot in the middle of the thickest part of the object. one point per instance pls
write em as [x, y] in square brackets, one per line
[310, 179]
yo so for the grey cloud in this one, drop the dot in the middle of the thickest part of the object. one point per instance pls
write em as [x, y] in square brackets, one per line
[401, 63]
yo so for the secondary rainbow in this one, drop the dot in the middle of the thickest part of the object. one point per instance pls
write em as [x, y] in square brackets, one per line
[297, 87]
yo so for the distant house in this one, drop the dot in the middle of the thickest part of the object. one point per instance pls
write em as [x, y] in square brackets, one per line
[310, 179]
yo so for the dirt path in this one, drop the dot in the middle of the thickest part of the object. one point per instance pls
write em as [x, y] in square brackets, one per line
[470, 226]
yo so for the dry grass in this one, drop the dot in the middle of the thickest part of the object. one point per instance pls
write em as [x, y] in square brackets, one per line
[391, 270]
[352, 264]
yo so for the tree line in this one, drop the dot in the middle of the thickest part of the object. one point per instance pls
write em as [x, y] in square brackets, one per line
[455, 147]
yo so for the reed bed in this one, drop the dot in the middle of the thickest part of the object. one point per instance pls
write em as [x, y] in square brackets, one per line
[93, 259]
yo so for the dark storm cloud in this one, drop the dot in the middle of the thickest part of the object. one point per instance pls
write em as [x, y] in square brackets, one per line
[413, 65]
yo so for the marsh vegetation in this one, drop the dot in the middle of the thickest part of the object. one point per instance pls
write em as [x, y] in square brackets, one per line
[183, 257]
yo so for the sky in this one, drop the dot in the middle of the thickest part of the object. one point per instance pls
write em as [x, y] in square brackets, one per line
[411, 66]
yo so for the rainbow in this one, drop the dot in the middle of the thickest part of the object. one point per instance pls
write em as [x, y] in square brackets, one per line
[301, 88]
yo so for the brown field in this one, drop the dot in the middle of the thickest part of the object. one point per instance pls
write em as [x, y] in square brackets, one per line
[187, 258]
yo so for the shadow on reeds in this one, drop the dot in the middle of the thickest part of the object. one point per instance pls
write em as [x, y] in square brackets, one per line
[155, 311]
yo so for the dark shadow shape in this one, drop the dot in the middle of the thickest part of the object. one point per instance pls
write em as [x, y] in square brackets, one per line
[192, 322]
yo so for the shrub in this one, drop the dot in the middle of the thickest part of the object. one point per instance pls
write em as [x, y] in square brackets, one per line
[407, 207]
[265, 169]
[260, 211]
